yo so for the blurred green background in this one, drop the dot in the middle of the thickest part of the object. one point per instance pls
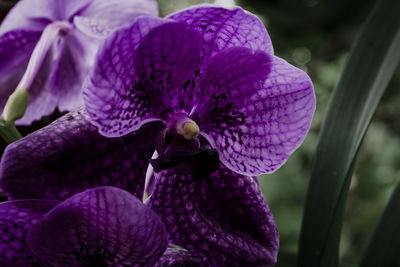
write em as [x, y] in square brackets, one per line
[317, 36]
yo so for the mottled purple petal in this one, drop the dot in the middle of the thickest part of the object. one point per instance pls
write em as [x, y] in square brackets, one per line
[69, 156]
[175, 257]
[120, 13]
[231, 79]
[138, 74]
[105, 226]
[16, 218]
[222, 28]
[257, 131]
[223, 218]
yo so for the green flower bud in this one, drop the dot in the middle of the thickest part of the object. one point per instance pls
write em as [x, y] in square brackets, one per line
[16, 106]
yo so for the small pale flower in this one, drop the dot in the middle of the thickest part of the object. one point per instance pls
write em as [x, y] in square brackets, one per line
[48, 46]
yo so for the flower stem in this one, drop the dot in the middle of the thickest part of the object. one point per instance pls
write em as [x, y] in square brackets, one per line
[9, 132]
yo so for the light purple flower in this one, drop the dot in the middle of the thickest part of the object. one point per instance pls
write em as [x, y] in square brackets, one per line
[206, 70]
[221, 219]
[105, 226]
[48, 46]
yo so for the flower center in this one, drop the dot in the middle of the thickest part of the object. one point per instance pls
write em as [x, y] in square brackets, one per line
[190, 130]
[181, 125]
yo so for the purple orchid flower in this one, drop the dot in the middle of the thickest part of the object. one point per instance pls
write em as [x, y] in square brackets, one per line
[48, 46]
[206, 70]
[219, 219]
[105, 226]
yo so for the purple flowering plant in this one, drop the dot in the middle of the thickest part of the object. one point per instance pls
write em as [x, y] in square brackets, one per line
[202, 94]
[47, 47]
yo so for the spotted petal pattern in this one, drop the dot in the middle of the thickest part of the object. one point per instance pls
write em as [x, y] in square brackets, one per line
[16, 219]
[220, 29]
[105, 226]
[69, 156]
[277, 119]
[137, 79]
[222, 219]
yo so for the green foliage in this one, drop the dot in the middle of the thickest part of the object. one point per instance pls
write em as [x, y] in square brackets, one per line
[365, 77]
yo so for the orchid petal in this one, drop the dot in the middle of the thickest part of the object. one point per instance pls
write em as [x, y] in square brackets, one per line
[98, 227]
[265, 115]
[92, 27]
[69, 156]
[15, 49]
[36, 14]
[16, 218]
[68, 74]
[120, 13]
[41, 101]
[137, 75]
[223, 28]
[222, 219]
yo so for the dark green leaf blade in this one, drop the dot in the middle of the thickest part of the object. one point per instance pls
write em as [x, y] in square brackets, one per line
[368, 71]
[384, 247]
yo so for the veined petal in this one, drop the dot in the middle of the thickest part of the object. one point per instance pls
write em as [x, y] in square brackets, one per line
[220, 29]
[270, 120]
[105, 226]
[176, 257]
[223, 28]
[137, 74]
[106, 88]
[231, 79]
[222, 219]
[69, 156]
[164, 60]
[16, 219]
[120, 13]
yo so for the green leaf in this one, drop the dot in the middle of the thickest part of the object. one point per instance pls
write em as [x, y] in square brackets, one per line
[368, 71]
[384, 247]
